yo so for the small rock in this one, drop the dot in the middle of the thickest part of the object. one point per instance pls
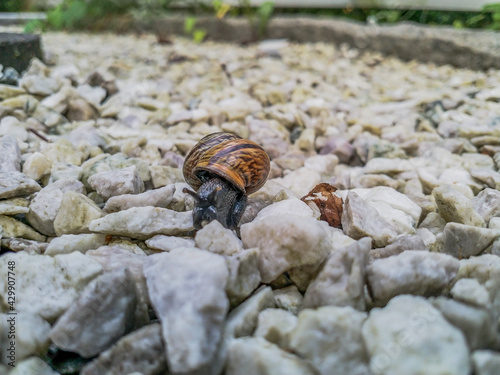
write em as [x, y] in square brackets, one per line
[14, 206]
[63, 278]
[31, 336]
[400, 244]
[157, 198]
[300, 181]
[36, 166]
[144, 222]
[168, 243]
[68, 243]
[487, 204]
[103, 313]
[463, 241]
[75, 214]
[38, 85]
[477, 325]
[286, 241]
[276, 325]
[411, 272]
[81, 110]
[360, 220]
[9, 91]
[471, 292]
[188, 286]
[117, 182]
[341, 280]
[257, 356]
[453, 206]
[142, 351]
[398, 336]
[10, 154]
[45, 205]
[16, 184]
[62, 151]
[485, 362]
[330, 338]
[244, 275]
[288, 298]
[11, 228]
[217, 239]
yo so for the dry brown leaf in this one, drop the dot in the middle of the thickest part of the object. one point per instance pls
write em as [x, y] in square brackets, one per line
[329, 205]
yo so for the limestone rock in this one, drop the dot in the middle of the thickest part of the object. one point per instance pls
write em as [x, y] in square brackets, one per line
[117, 182]
[10, 154]
[68, 243]
[288, 298]
[102, 314]
[186, 287]
[142, 351]
[398, 336]
[330, 338]
[169, 243]
[36, 166]
[463, 241]
[14, 206]
[286, 242]
[453, 206]
[471, 292]
[244, 275]
[157, 198]
[487, 204]
[33, 365]
[411, 272]
[63, 278]
[257, 356]
[144, 222]
[45, 205]
[16, 184]
[341, 280]
[13, 228]
[75, 214]
[276, 325]
[217, 239]
[485, 362]
[360, 220]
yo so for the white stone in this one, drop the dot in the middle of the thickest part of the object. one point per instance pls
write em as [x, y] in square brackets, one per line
[75, 214]
[168, 243]
[68, 243]
[286, 207]
[487, 204]
[10, 154]
[157, 198]
[300, 181]
[463, 241]
[187, 291]
[62, 277]
[16, 184]
[102, 314]
[14, 206]
[453, 206]
[411, 272]
[359, 220]
[244, 275]
[39, 85]
[288, 298]
[286, 241]
[12, 228]
[144, 222]
[257, 356]
[324, 164]
[485, 362]
[33, 365]
[217, 239]
[36, 166]
[471, 291]
[45, 205]
[409, 336]
[276, 325]
[330, 338]
[341, 280]
[31, 336]
[117, 182]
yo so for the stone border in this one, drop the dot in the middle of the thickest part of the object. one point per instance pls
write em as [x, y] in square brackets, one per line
[17, 50]
[478, 50]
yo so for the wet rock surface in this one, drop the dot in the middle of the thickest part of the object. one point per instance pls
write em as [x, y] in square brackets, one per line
[94, 218]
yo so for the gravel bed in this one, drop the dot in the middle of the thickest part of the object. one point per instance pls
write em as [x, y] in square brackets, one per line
[110, 277]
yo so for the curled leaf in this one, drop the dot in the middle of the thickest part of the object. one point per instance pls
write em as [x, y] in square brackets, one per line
[330, 206]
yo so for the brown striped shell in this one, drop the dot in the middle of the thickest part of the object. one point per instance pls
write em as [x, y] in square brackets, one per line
[240, 161]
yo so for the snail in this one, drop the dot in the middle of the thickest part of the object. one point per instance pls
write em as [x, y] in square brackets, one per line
[224, 168]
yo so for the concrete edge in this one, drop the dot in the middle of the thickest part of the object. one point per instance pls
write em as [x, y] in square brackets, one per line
[471, 49]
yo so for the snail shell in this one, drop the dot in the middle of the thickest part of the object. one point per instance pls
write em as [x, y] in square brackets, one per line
[240, 161]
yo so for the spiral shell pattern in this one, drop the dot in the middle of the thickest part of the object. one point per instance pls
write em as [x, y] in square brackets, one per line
[240, 161]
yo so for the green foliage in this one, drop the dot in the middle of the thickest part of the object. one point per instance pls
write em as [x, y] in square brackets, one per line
[12, 5]
[189, 24]
[198, 35]
[264, 13]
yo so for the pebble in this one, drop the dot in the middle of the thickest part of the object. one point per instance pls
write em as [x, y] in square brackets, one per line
[471, 292]
[485, 362]
[217, 239]
[398, 335]
[168, 243]
[75, 214]
[330, 338]
[453, 206]
[117, 182]
[244, 276]
[12, 228]
[14, 206]
[276, 325]
[15, 184]
[187, 291]
[288, 298]
[463, 241]
[411, 272]
[160, 197]
[10, 154]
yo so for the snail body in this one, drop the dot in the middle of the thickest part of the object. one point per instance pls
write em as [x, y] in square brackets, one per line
[224, 168]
